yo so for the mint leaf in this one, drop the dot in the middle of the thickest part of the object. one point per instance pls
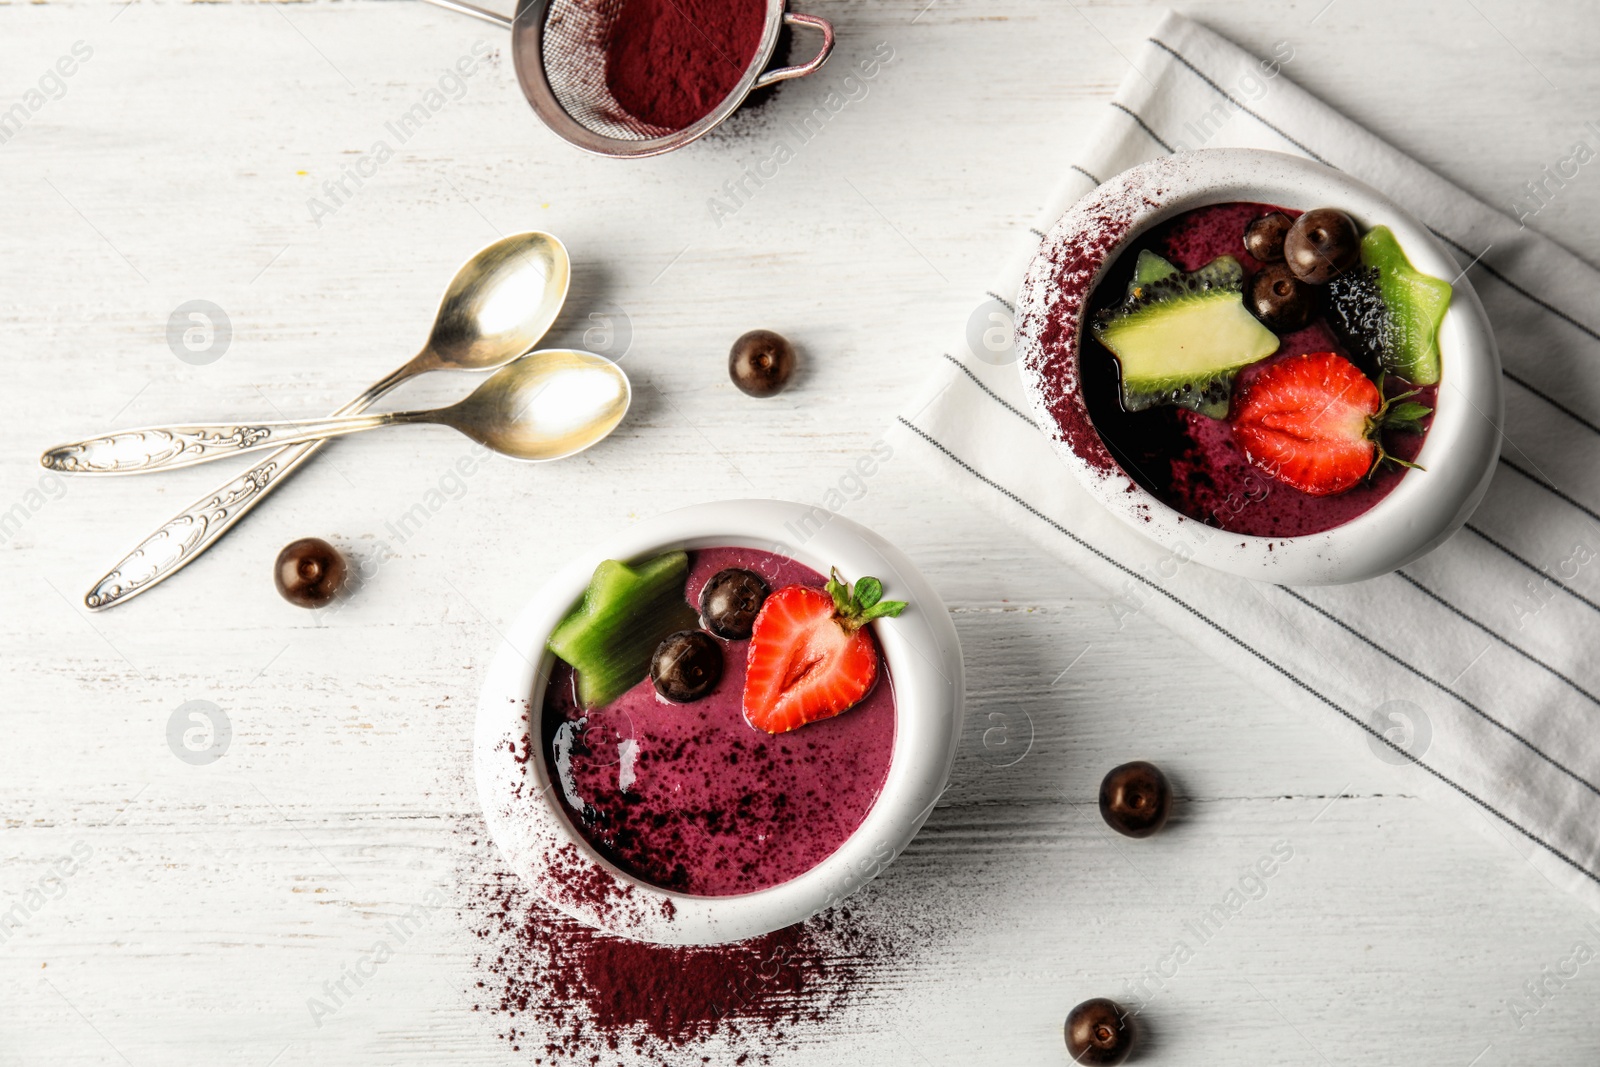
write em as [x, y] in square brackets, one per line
[1410, 411]
[868, 592]
[1407, 416]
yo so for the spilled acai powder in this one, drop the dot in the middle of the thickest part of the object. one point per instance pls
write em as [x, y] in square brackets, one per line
[565, 993]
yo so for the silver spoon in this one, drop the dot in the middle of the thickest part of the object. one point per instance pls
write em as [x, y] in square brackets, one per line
[547, 405]
[498, 305]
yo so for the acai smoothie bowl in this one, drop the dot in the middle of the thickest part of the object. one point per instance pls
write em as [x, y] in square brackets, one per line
[719, 722]
[1264, 365]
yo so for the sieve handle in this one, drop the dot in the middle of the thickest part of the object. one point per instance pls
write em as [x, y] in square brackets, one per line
[782, 74]
[483, 13]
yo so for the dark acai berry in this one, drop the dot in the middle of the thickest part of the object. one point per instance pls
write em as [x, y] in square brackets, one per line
[1263, 238]
[1135, 799]
[686, 666]
[309, 572]
[1099, 1032]
[1280, 300]
[761, 363]
[1321, 245]
[730, 601]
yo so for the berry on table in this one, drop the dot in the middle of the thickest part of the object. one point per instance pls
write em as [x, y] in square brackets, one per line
[761, 363]
[1099, 1032]
[309, 572]
[1135, 799]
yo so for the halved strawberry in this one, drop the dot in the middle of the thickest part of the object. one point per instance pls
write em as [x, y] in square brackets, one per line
[1312, 422]
[810, 655]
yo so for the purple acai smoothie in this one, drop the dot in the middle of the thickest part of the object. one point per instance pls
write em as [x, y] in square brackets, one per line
[1192, 462]
[691, 797]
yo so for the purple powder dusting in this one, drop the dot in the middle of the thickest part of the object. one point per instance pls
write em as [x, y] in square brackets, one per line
[562, 993]
[1065, 274]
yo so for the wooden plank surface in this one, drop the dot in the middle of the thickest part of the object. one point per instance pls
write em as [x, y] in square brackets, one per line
[208, 903]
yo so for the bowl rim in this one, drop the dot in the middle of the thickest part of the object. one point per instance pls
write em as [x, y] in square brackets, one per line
[516, 792]
[1461, 446]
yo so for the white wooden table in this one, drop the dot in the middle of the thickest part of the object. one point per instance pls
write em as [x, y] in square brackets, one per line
[208, 903]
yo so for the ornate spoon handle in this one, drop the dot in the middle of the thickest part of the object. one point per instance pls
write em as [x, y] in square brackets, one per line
[199, 526]
[161, 448]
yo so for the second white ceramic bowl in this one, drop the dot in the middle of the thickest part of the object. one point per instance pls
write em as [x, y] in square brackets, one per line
[1459, 451]
[517, 792]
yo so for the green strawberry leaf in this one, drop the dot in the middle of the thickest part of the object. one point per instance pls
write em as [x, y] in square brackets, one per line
[883, 609]
[858, 606]
[839, 589]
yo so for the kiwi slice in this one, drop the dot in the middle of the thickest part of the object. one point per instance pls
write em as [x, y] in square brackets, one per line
[1148, 268]
[1416, 304]
[624, 614]
[1388, 313]
[1180, 338]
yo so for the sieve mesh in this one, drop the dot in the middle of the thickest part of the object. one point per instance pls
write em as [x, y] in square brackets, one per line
[563, 49]
[577, 35]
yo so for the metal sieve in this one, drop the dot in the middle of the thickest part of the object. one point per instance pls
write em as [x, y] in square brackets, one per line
[559, 48]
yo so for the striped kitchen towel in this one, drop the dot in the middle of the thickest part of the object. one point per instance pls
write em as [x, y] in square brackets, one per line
[1478, 662]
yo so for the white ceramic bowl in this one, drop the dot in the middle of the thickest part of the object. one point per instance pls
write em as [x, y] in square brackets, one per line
[1459, 451]
[525, 817]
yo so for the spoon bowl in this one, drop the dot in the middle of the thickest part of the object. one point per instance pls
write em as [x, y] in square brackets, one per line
[548, 405]
[499, 304]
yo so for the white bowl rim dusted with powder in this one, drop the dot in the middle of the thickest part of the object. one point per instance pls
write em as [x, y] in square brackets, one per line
[525, 817]
[1459, 452]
